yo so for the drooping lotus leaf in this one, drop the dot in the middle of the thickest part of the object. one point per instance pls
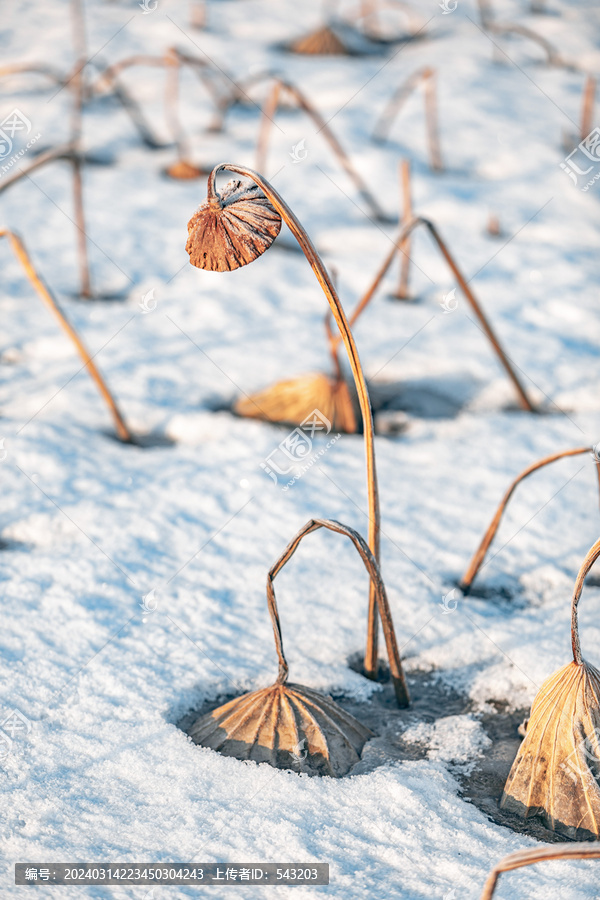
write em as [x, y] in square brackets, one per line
[232, 229]
[293, 400]
[556, 774]
[287, 726]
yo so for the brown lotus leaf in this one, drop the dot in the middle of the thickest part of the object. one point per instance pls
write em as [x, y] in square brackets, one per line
[184, 171]
[323, 42]
[287, 726]
[233, 229]
[556, 774]
[292, 401]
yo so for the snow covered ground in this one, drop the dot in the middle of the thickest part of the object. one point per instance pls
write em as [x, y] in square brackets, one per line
[91, 525]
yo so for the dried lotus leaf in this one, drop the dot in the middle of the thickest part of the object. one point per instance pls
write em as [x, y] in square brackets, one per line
[184, 171]
[287, 726]
[233, 229]
[323, 42]
[556, 774]
[293, 400]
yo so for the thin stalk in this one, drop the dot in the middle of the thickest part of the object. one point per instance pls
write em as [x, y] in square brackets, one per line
[38, 68]
[76, 130]
[587, 109]
[65, 151]
[407, 214]
[400, 688]
[427, 77]
[553, 57]
[339, 315]
[339, 152]
[522, 858]
[524, 400]
[481, 552]
[172, 104]
[588, 562]
[431, 119]
[267, 114]
[43, 292]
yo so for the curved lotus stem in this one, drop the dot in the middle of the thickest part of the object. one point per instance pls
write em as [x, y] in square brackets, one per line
[524, 400]
[553, 57]
[344, 160]
[367, 557]
[481, 552]
[339, 315]
[426, 76]
[38, 68]
[588, 562]
[21, 253]
[522, 858]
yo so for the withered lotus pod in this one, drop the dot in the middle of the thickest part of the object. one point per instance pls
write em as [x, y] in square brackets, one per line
[538, 854]
[556, 774]
[234, 228]
[289, 725]
[292, 401]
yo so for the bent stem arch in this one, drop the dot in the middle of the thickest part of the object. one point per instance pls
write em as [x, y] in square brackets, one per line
[538, 854]
[427, 77]
[588, 562]
[524, 399]
[316, 263]
[481, 552]
[22, 255]
[269, 110]
[372, 568]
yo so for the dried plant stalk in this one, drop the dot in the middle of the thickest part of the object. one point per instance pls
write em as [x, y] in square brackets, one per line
[280, 87]
[553, 57]
[524, 399]
[481, 552]
[292, 401]
[402, 292]
[587, 108]
[538, 854]
[272, 724]
[212, 246]
[556, 774]
[22, 255]
[427, 77]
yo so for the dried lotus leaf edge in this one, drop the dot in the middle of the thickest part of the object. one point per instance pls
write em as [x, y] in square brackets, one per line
[20, 252]
[318, 267]
[372, 568]
[537, 854]
[481, 552]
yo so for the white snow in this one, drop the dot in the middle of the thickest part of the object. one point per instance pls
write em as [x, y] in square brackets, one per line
[92, 525]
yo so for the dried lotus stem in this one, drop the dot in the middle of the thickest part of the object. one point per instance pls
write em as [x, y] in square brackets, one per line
[553, 57]
[537, 854]
[198, 14]
[407, 215]
[587, 109]
[22, 255]
[37, 68]
[481, 552]
[322, 126]
[588, 562]
[426, 77]
[275, 724]
[368, 559]
[224, 234]
[524, 399]
[268, 113]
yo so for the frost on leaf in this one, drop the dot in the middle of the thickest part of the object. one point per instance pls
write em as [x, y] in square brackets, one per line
[232, 230]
